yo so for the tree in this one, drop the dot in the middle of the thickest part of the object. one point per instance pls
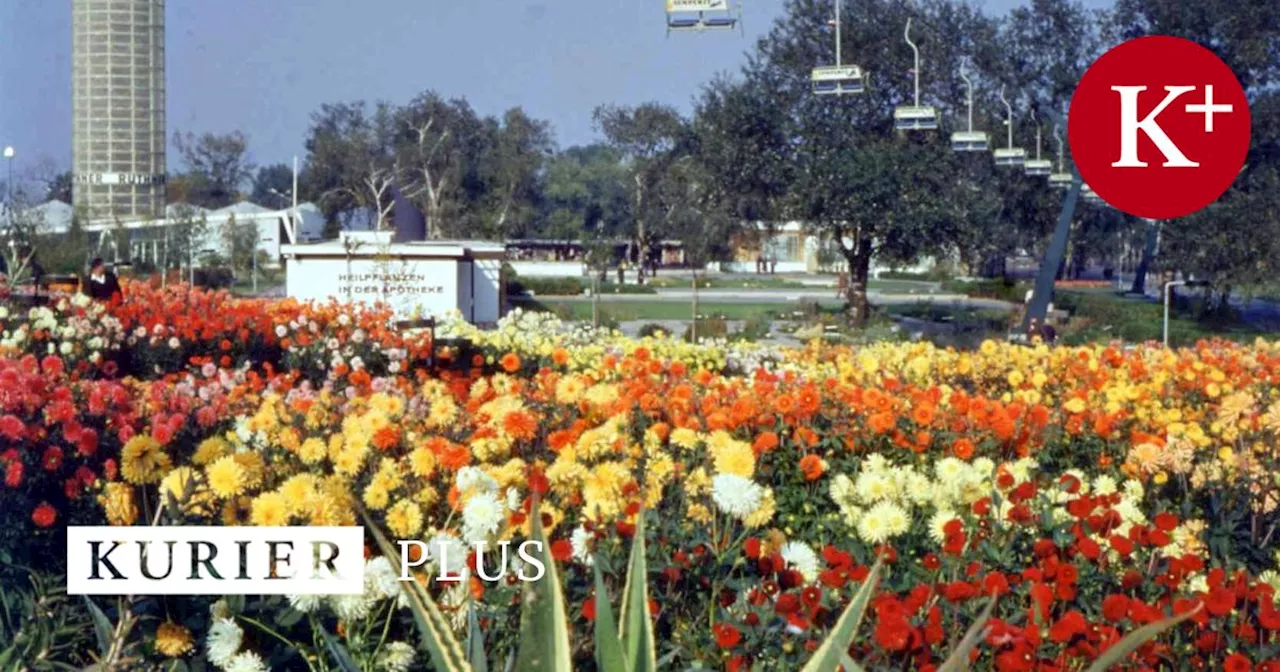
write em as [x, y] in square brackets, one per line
[273, 185]
[54, 184]
[240, 242]
[217, 166]
[651, 138]
[351, 160]
[1232, 242]
[188, 235]
[436, 149]
[511, 168]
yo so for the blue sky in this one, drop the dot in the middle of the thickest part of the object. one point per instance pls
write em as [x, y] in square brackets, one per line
[263, 67]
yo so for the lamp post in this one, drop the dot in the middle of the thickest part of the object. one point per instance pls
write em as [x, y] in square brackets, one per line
[8, 154]
[1168, 292]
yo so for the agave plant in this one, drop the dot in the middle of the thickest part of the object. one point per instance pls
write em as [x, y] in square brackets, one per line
[629, 646]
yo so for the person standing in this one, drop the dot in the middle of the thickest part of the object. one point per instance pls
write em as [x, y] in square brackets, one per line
[103, 284]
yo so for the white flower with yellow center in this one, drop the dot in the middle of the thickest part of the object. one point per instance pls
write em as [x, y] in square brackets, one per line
[737, 496]
[799, 555]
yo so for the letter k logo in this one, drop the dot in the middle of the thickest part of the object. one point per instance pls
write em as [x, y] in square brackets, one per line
[1130, 125]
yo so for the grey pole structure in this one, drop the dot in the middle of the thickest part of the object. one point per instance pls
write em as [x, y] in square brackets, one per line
[1043, 293]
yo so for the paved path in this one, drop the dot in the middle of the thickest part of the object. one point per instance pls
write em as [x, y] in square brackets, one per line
[790, 296]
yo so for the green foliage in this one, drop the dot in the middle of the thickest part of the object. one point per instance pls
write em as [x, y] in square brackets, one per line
[41, 627]
[653, 329]
[708, 328]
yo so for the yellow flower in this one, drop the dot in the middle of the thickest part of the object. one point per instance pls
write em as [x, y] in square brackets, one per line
[209, 450]
[270, 510]
[698, 513]
[404, 519]
[1161, 478]
[376, 496]
[298, 492]
[1226, 454]
[1075, 405]
[173, 640]
[252, 468]
[685, 438]
[187, 493]
[736, 458]
[312, 450]
[225, 477]
[118, 503]
[143, 460]
[764, 514]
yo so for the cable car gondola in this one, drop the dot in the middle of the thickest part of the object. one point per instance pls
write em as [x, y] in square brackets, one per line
[1037, 167]
[915, 117]
[970, 140]
[1009, 156]
[838, 79]
[701, 15]
[1060, 179]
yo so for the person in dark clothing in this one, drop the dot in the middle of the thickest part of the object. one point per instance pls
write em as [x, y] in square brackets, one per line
[102, 284]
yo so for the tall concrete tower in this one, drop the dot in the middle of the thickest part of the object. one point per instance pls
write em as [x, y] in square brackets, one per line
[118, 108]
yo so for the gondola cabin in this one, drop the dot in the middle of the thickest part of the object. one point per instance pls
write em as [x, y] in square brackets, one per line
[700, 15]
[1010, 156]
[912, 118]
[1038, 167]
[836, 80]
[970, 141]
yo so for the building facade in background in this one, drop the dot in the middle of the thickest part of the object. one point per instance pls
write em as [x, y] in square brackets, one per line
[118, 108]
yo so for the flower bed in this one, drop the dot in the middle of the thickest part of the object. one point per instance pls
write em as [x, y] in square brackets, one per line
[1092, 490]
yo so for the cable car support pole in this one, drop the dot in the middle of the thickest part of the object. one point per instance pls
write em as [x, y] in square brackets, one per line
[906, 34]
[1043, 292]
[838, 61]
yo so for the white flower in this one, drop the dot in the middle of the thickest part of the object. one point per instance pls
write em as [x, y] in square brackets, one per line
[580, 540]
[397, 657]
[246, 661]
[351, 608]
[174, 343]
[874, 486]
[799, 555]
[1104, 485]
[452, 550]
[223, 641]
[380, 578]
[735, 495]
[842, 490]
[281, 331]
[304, 603]
[357, 336]
[481, 517]
[883, 522]
[66, 347]
[938, 524]
[513, 499]
[474, 479]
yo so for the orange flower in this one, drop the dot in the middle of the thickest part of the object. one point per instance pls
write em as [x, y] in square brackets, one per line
[386, 438]
[765, 442]
[784, 404]
[520, 425]
[963, 449]
[881, 422]
[812, 467]
[560, 356]
[922, 415]
[510, 362]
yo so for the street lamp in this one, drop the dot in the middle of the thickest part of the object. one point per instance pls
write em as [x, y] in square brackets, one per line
[1168, 291]
[283, 196]
[8, 154]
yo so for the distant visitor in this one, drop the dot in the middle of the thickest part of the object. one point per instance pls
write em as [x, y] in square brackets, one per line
[103, 284]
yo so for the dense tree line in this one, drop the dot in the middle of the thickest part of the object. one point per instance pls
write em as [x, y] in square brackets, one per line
[759, 147]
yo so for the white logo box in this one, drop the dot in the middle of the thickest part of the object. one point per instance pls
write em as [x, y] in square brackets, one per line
[105, 560]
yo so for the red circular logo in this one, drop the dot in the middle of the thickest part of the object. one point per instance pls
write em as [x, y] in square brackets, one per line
[1159, 127]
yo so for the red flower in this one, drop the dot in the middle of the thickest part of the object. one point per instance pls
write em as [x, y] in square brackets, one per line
[1115, 607]
[752, 547]
[1220, 601]
[1121, 545]
[1236, 662]
[561, 550]
[589, 608]
[13, 474]
[931, 562]
[1166, 521]
[52, 458]
[1069, 625]
[44, 515]
[787, 603]
[727, 636]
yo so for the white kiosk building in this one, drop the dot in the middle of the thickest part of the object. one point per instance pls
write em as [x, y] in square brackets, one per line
[418, 279]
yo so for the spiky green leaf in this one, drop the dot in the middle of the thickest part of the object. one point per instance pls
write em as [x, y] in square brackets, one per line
[638, 646]
[102, 630]
[544, 619]
[609, 656]
[959, 658]
[827, 657]
[1136, 639]
[339, 652]
[475, 641]
[446, 652]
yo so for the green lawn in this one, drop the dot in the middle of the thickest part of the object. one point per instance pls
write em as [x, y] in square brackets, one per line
[1101, 315]
[713, 282]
